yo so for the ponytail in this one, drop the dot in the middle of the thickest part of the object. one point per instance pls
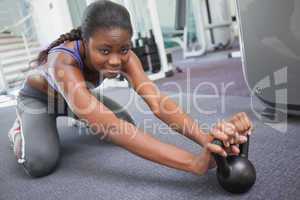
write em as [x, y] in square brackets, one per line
[74, 34]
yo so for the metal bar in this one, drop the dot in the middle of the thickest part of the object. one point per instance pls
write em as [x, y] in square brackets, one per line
[18, 23]
[218, 25]
[211, 31]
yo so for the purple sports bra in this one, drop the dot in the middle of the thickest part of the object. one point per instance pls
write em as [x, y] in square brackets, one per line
[75, 53]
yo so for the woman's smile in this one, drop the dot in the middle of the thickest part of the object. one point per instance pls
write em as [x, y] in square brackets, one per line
[108, 73]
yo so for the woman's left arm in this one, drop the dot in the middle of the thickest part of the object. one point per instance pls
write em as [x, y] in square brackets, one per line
[161, 105]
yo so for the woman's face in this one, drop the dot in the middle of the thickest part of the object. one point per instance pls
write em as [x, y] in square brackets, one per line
[107, 51]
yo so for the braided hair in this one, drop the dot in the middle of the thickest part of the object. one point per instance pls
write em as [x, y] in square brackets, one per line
[74, 34]
[101, 14]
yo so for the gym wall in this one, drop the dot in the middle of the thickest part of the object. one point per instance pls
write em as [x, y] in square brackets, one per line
[52, 18]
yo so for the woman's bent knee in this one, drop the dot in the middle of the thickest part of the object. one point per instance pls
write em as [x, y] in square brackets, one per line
[41, 164]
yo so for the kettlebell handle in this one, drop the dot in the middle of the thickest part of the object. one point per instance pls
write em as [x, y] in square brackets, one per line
[221, 161]
[244, 148]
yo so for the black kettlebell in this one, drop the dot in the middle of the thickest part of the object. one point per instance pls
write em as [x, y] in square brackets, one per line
[236, 174]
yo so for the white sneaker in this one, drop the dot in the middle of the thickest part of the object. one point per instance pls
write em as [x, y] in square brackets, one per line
[15, 139]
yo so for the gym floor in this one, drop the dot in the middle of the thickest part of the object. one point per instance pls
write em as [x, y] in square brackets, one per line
[94, 169]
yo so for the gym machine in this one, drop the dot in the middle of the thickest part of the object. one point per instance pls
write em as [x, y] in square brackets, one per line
[270, 39]
[201, 26]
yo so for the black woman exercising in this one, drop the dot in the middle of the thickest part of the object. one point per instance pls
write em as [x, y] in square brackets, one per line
[101, 49]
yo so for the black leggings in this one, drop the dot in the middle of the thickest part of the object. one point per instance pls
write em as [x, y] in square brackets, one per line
[37, 114]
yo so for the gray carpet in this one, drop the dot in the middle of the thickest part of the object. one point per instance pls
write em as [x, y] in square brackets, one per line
[212, 74]
[91, 169]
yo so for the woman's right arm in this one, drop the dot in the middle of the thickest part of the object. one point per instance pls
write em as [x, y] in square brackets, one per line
[72, 85]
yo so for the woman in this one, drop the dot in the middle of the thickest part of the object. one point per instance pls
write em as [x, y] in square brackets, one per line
[100, 49]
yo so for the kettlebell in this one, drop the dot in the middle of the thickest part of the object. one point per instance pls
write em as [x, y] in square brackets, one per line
[236, 174]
